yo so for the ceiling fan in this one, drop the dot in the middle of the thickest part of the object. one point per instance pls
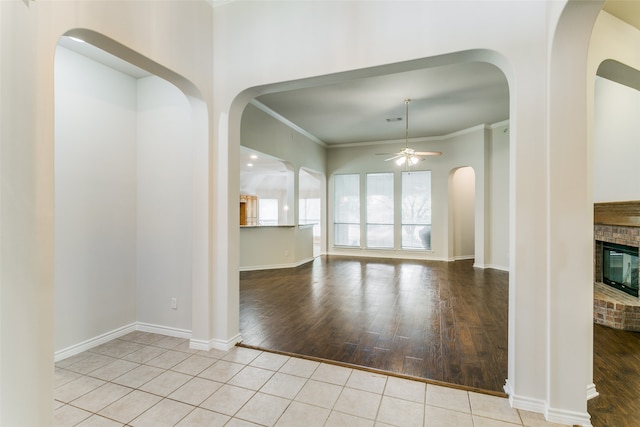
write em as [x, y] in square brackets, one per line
[409, 156]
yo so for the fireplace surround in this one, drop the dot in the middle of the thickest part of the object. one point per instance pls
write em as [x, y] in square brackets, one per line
[617, 224]
[619, 267]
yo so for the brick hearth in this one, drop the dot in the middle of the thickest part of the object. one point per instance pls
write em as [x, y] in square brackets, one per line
[615, 309]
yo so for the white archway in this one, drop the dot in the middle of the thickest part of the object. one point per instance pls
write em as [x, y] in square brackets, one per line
[312, 206]
[462, 207]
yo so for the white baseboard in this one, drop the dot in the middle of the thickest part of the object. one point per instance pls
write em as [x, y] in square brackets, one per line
[225, 345]
[591, 391]
[215, 344]
[559, 416]
[93, 342]
[117, 333]
[527, 403]
[571, 418]
[199, 345]
[521, 402]
[492, 266]
[163, 330]
[380, 253]
[276, 266]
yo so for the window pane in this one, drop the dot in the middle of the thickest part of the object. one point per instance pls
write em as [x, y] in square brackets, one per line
[380, 210]
[416, 210]
[416, 237]
[379, 236]
[347, 210]
[347, 199]
[347, 235]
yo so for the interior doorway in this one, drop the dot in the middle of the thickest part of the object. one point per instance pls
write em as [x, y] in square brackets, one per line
[462, 202]
[310, 205]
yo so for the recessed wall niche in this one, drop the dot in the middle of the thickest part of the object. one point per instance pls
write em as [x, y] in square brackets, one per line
[124, 197]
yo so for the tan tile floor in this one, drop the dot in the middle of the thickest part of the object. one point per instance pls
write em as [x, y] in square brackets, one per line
[144, 379]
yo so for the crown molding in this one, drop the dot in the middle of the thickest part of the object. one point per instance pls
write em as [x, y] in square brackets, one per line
[417, 139]
[287, 122]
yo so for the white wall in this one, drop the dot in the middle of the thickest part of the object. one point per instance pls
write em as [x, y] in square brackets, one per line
[541, 47]
[243, 48]
[265, 134]
[95, 156]
[464, 148]
[612, 39]
[498, 251]
[124, 202]
[275, 247]
[262, 132]
[180, 50]
[616, 175]
[165, 205]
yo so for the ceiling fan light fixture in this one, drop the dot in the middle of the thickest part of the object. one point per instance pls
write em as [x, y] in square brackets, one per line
[409, 156]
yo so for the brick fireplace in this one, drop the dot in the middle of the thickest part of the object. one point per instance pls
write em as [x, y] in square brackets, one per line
[617, 223]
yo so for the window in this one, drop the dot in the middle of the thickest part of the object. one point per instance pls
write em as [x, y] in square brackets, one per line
[416, 210]
[347, 210]
[380, 210]
[268, 211]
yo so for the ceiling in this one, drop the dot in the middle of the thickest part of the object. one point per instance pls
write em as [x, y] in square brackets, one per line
[625, 10]
[443, 100]
[99, 55]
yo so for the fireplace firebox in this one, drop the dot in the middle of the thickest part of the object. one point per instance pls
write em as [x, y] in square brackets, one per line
[620, 267]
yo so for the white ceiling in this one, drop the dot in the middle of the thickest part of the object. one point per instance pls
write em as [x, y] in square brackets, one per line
[99, 55]
[444, 99]
[625, 10]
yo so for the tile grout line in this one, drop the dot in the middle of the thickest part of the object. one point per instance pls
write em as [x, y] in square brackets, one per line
[245, 364]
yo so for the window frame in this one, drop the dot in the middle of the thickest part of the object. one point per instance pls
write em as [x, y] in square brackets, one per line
[351, 226]
[369, 206]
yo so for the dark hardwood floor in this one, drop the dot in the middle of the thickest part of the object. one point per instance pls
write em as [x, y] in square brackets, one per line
[616, 373]
[435, 320]
[439, 321]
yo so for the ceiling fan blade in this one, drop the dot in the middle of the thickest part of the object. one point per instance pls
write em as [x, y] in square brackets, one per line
[393, 158]
[386, 154]
[428, 153]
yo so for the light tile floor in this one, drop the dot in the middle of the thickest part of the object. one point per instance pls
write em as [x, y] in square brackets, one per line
[144, 379]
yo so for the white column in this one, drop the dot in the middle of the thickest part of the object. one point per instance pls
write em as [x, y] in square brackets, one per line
[570, 229]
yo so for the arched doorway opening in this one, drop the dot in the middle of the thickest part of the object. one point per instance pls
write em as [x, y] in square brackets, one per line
[467, 147]
[616, 99]
[462, 212]
[310, 201]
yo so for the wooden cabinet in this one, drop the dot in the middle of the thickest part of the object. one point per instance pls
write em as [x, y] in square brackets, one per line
[248, 209]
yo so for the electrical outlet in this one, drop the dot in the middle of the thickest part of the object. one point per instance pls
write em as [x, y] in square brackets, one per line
[174, 303]
[286, 252]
